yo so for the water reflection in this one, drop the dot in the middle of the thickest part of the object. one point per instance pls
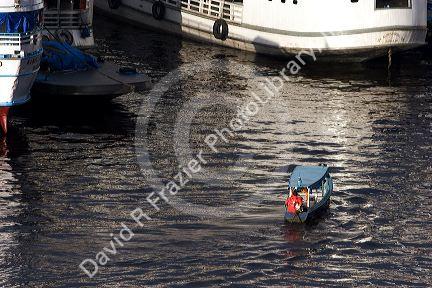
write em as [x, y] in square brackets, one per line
[3, 147]
[10, 207]
[68, 181]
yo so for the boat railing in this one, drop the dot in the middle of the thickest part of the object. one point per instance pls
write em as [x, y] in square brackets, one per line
[68, 19]
[230, 11]
[16, 39]
[19, 3]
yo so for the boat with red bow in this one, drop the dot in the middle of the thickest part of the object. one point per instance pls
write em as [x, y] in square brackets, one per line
[20, 52]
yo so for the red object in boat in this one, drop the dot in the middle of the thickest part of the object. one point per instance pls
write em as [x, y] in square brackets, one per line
[83, 4]
[4, 111]
[292, 202]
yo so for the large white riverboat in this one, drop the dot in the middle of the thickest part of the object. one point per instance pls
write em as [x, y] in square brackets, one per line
[20, 52]
[355, 29]
[70, 21]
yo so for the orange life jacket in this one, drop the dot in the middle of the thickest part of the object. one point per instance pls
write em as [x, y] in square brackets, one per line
[292, 202]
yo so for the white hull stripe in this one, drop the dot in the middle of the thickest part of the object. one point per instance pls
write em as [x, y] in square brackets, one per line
[16, 102]
[19, 75]
[335, 33]
[29, 56]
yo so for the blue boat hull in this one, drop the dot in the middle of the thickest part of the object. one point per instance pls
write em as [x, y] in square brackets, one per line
[307, 216]
[317, 210]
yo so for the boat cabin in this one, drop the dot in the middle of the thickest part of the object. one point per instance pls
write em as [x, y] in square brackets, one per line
[70, 21]
[313, 183]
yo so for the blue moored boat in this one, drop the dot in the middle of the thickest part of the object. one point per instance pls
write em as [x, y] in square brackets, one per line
[316, 187]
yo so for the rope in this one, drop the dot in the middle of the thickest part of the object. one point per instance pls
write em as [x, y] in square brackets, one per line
[222, 10]
[390, 60]
[390, 54]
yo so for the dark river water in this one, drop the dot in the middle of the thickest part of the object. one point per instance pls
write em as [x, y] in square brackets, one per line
[72, 171]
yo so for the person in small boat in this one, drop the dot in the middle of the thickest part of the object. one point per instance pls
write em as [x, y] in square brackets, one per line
[294, 203]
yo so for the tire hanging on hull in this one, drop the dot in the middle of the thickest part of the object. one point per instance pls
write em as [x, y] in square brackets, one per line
[65, 36]
[158, 10]
[114, 4]
[220, 29]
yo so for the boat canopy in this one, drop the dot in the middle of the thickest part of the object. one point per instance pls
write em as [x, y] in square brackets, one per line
[19, 22]
[311, 176]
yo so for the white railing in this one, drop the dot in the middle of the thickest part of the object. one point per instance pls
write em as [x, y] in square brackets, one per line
[9, 4]
[73, 19]
[16, 3]
[231, 12]
[15, 39]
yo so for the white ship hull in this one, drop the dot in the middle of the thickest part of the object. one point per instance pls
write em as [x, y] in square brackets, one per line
[15, 86]
[20, 52]
[338, 27]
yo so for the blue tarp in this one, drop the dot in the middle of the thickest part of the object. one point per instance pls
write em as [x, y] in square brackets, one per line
[63, 57]
[311, 176]
[19, 22]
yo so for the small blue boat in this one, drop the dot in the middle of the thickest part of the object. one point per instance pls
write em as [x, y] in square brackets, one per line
[316, 187]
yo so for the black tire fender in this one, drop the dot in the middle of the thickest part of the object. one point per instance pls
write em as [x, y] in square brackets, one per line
[114, 4]
[158, 10]
[65, 36]
[220, 29]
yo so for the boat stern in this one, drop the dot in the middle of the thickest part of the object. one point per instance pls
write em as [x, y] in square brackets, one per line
[361, 29]
[396, 25]
[296, 218]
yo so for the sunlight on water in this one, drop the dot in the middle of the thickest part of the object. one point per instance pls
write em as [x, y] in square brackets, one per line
[68, 182]
[10, 208]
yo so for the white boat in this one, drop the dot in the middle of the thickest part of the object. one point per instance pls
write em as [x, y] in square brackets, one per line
[358, 29]
[20, 52]
[70, 21]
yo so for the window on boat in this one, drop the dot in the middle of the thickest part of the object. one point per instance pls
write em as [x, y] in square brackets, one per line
[387, 4]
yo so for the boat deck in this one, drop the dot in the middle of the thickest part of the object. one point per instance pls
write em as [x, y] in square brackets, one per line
[316, 197]
[104, 81]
